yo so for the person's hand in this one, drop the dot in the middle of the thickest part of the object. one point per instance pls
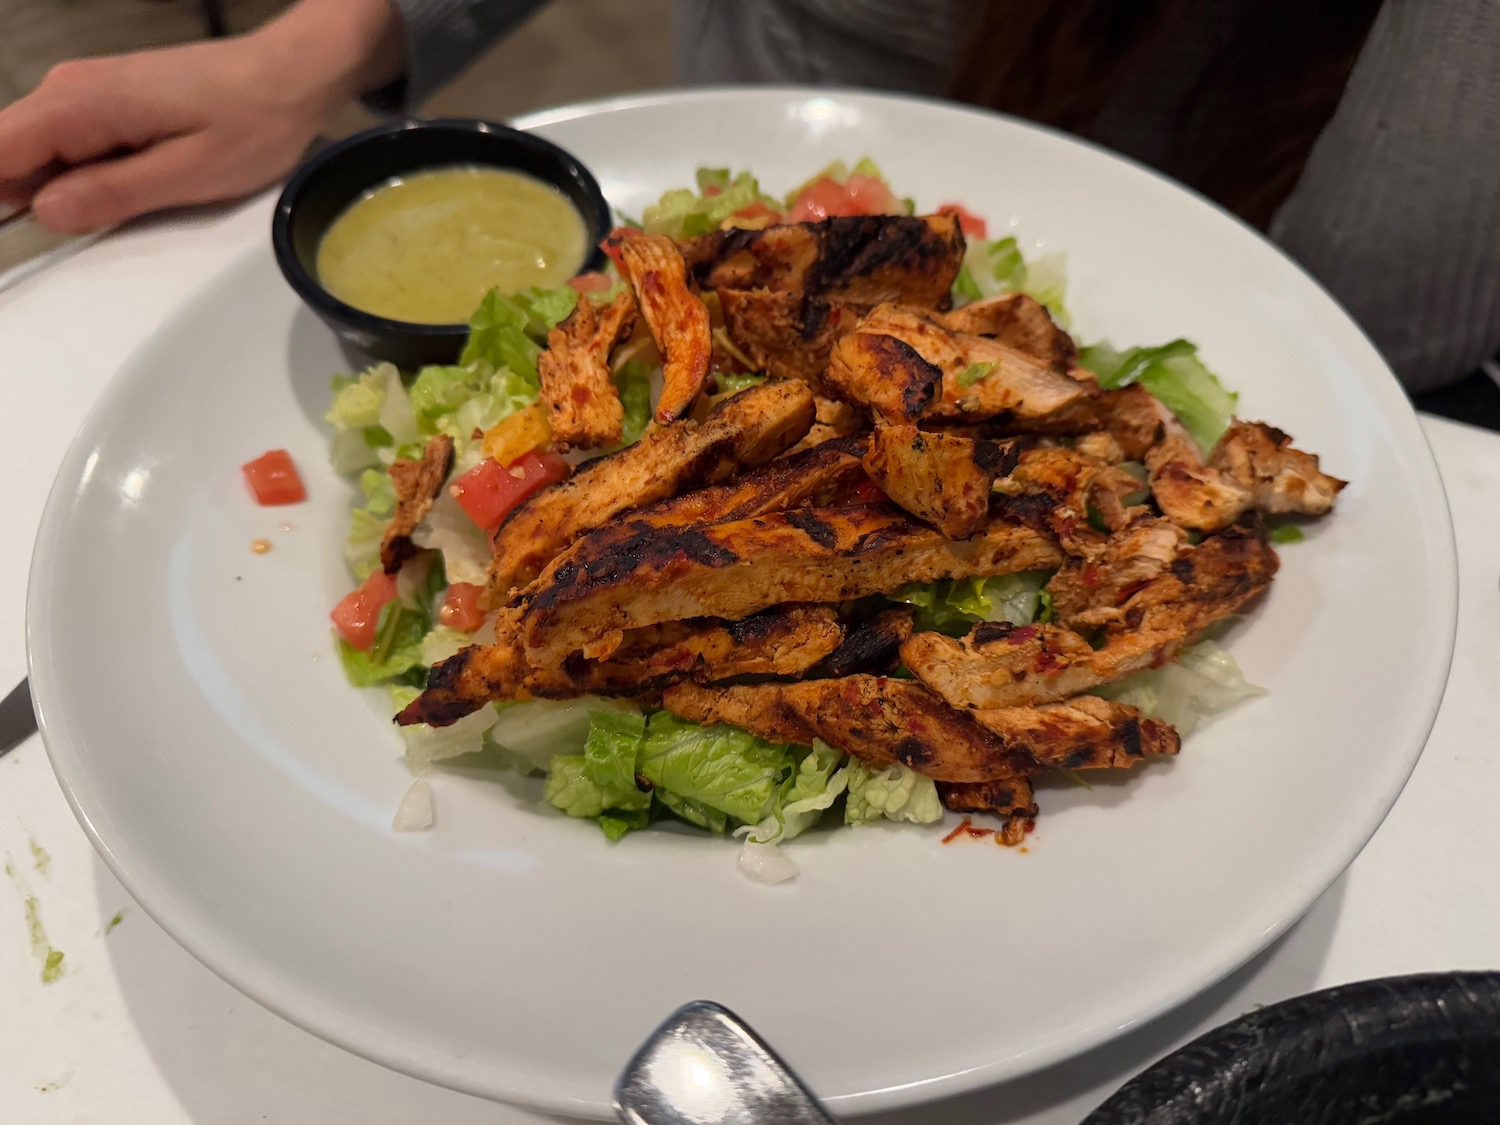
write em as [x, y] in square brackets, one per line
[103, 140]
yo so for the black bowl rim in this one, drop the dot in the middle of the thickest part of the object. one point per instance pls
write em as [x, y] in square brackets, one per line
[324, 303]
[1300, 1038]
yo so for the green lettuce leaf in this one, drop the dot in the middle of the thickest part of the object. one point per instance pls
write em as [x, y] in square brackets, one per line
[894, 792]
[1283, 533]
[396, 651]
[380, 492]
[1175, 375]
[817, 783]
[426, 745]
[609, 755]
[733, 384]
[694, 812]
[1204, 681]
[362, 545]
[534, 731]
[633, 381]
[508, 330]
[717, 767]
[357, 400]
[954, 607]
[683, 213]
[991, 268]
[442, 642]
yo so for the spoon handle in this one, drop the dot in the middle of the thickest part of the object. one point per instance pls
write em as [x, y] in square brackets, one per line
[705, 1066]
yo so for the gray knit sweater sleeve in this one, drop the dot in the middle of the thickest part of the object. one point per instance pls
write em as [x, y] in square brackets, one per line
[1398, 209]
[443, 37]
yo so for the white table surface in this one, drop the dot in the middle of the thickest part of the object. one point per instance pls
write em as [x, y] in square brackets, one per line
[137, 1031]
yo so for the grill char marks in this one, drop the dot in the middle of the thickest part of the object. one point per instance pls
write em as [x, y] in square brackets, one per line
[884, 721]
[863, 259]
[872, 646]
[625, 577]
[741, 432]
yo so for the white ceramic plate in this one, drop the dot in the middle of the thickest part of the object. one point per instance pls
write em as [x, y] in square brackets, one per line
[201, 726]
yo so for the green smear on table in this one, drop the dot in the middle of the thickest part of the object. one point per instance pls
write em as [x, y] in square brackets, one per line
[40, 859]
[41, 948]
[115, 921]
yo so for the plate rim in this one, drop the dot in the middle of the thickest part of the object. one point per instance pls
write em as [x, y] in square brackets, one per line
[433, 1066]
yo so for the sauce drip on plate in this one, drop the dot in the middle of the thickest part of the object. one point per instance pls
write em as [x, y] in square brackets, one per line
[427, 247]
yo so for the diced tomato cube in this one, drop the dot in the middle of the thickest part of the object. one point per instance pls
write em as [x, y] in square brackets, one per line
[591, 282]
[357, 616]
[611, 243]
[822, 199]
[489, 490]
[273, 479]
[461, 609]
[968, 222]
[869, 195]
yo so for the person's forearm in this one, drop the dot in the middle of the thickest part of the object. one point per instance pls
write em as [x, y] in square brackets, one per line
[349, 47]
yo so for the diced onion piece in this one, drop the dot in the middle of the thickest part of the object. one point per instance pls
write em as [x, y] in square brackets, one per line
[415, 810]
[765, 863]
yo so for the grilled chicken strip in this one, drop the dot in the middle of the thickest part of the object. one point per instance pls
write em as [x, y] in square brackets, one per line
[676, 316]
[865, 259]
[627, 576]
[781, 641]
[885, 375]
[1090, 592]
[997, 666]
[872, 646]
[1009, 798]
[1130, 418]
[742, 431]
[786, 333]
[904, 364]
[835, 419]
[816, 478]
[1282, 479]
[417, 484]
[1078, 486]
[1019, 322]
[785, 640]
[472, 677]
[942, 479]
[1189, 492]
[883, 721]
[583, 405]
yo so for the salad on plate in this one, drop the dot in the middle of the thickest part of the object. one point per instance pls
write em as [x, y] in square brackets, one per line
[809, 511]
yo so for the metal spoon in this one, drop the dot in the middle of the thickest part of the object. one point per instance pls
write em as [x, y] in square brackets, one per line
[704, 1066]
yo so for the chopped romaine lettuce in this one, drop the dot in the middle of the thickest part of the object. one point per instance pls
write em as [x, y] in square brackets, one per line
[362, 547]
[1284, 533]
[426, 745]
[609, 754]
[442, 642]
[466, 551]
[1204, 681]
[991, 268]
[894, 792]
[535, 730]
[357, 399]
[1174, 374]
[717, 767]
[816, 784]
[507, 331]
[735, 383]
[683, 213]
[633, 381]
[570, 789]
[380, 492]
[396, 651]
[953, 607]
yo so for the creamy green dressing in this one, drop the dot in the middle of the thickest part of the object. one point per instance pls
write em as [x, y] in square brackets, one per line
[426, 248]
